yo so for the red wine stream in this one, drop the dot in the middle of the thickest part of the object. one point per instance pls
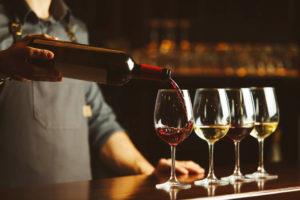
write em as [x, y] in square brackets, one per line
[180, 95]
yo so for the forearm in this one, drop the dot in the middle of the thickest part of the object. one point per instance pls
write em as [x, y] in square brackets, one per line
[121, 155]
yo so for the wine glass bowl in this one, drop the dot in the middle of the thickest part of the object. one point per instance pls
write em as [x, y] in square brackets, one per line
[212, 122]
[173, 122]
[267, 120]
[264, 129]
[242, 123]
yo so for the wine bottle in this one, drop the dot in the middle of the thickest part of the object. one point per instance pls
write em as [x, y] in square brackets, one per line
[95, 64]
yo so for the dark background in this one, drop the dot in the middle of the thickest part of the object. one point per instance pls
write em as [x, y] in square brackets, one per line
[212, 20]
[124, 25]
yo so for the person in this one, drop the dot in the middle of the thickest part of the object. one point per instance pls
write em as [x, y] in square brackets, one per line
[50, 127]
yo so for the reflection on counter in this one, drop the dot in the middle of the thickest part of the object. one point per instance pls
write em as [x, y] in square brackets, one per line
[169, 46]
[172, 193]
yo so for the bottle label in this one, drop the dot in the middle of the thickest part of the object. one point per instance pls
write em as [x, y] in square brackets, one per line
[82, 72]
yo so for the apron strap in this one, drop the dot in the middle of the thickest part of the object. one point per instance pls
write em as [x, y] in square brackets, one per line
[15, 27]
[16, 30]
[69, 32]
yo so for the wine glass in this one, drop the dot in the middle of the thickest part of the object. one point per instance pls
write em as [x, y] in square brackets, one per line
[173, 121]
[242, 123]
[267, 119]
[212, 122]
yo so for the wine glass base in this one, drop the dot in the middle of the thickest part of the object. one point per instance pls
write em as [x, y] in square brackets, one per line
[208, 182]
[261, 175]
[237, 178]
[169, 185]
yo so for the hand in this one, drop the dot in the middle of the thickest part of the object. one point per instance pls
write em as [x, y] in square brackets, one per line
[13, 62]
[183, 167]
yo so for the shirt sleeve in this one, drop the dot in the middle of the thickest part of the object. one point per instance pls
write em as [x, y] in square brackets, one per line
[103, 122]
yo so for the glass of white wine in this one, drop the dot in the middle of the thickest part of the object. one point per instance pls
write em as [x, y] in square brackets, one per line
[212, 122]
[267, 119]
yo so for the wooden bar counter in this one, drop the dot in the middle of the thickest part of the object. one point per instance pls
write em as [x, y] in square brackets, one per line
[287, 186]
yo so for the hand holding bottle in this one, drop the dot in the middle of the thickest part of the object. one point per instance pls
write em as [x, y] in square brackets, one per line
[14, 61]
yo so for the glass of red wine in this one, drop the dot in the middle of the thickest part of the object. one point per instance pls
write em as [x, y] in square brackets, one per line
[242, 123]
[212, 122]
[173, 121]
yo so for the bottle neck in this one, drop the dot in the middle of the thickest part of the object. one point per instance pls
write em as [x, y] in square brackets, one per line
[150, 72]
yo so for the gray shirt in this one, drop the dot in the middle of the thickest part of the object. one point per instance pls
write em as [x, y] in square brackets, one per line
[46, 131]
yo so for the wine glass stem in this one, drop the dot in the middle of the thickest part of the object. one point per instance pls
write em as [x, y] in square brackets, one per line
[237, 158]
[260, 168]
[173, 175]
[211, 174]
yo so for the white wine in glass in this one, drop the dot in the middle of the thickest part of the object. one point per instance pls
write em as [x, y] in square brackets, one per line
[267, 119]
[211, 133]
[262, 130]
[212, 122]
